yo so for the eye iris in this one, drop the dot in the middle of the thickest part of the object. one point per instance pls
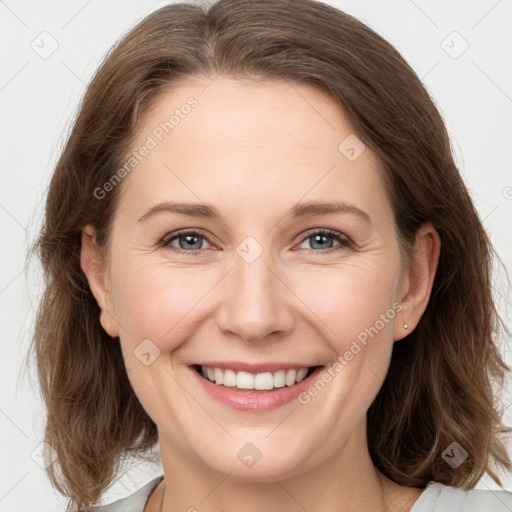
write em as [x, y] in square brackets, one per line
[194, 241]
[189, 241]
[318, 239]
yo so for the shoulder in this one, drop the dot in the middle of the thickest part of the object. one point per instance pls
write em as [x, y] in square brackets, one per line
[438, 497]
[134, 502]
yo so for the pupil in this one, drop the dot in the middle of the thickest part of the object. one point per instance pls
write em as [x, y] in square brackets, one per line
[190, 241]
[318, 239]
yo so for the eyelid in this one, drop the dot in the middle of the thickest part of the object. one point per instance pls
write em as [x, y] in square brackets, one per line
[168, 237]
[327, 231]
[345, 242]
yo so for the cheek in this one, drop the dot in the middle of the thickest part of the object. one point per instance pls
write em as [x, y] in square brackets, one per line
[165, 303]
[158, 302]
[350, 300]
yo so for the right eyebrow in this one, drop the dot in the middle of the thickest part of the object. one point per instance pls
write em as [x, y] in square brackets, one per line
[190, 209]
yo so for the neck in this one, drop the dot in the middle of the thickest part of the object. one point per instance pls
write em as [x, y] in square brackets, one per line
[348, 480]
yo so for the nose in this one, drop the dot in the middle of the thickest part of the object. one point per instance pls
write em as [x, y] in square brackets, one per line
[257, 301]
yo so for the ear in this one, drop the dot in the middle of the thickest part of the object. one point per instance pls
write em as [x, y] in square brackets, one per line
[93, 265]
[419, 279]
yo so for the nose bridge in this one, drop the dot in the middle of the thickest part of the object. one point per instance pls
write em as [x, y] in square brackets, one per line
[255, 304]
[253, 274]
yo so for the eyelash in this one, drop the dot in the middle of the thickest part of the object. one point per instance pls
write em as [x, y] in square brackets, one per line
[345, 242]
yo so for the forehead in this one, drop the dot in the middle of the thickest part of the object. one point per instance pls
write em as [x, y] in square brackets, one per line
[251, 143]
[232, 112]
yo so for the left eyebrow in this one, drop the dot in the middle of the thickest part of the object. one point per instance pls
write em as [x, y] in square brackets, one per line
[314, 208]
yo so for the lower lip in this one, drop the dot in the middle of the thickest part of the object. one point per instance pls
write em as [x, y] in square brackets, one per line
[255, 401]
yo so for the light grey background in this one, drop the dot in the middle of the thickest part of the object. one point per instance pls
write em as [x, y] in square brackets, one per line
[38, 97]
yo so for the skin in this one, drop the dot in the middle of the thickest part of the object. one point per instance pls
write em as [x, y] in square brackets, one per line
[253, 150]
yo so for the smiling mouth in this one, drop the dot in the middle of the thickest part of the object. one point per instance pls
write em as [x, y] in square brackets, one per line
[245, 381]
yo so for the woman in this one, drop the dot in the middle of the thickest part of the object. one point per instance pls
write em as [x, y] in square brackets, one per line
[259, 252]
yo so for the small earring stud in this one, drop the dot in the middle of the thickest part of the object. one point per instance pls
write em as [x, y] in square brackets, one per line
[405, 325]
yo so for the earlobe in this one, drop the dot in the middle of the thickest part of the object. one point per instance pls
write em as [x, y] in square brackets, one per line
[420, 278]
[92, 264]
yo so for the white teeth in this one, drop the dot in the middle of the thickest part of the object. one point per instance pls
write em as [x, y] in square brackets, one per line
[261, 381]
[244, 380]
[219, 375]
[264, 381]
[279, 379]
[290, 377]
[301, 374]
[229, 378]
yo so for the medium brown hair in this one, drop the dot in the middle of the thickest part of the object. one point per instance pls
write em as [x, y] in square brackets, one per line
[439, 388]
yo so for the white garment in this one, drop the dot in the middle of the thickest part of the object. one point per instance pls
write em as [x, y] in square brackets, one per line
[435, 498]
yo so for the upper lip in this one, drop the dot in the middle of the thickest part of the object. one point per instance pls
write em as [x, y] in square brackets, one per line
[239, 366]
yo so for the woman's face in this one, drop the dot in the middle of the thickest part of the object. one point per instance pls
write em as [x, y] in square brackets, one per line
[252, 284]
